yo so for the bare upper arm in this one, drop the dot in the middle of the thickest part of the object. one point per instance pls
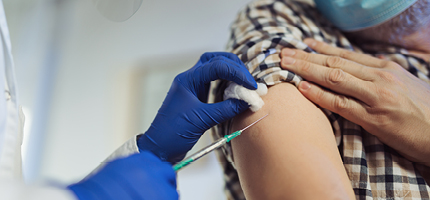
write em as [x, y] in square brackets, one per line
[292, 153]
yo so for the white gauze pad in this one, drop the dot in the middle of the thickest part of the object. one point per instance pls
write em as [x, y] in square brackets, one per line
[252, 97]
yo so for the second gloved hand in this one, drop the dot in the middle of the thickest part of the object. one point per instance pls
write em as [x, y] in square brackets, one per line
[137, 177]
[184, 115]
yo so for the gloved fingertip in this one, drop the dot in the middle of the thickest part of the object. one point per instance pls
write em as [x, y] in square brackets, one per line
[241, 105]
[225, 110]
[255, 85]
[249, 81]
[252, 84]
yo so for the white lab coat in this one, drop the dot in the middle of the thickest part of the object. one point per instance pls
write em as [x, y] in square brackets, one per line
[12, 186]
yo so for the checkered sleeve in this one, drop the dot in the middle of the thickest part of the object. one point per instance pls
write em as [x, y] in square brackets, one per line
[258, 36]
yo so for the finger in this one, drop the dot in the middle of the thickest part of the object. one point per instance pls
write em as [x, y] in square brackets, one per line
[347, 107]
[360, 58]
[223, 68]
[302, 55]
[350, 67]
[225, 110]
[334, 79]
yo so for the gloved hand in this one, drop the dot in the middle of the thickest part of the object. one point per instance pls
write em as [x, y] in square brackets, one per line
[184, 115]
[137, 177]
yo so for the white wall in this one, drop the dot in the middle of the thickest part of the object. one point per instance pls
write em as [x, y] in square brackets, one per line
[82, 78]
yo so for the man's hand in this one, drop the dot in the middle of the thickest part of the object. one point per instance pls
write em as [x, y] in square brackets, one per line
[379, 95]
[137, 177]
[185, 115]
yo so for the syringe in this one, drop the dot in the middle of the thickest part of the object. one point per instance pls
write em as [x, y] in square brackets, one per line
[217, 144]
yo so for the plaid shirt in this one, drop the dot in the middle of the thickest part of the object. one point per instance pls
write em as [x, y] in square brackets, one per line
[260, 31]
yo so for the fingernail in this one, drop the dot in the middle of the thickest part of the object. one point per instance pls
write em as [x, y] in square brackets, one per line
[288, 60]
[310, 42]
[288, 52]
[304, 85]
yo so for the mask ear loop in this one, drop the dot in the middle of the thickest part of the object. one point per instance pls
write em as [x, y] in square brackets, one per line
[117, 10]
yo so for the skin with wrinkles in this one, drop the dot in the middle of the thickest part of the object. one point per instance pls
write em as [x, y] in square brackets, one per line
[409, 29]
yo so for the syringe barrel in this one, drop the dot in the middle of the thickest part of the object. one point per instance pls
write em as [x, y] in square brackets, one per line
[219, 143]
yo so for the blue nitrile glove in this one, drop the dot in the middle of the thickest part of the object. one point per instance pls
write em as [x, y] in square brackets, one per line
[184, 115]
[137, 177]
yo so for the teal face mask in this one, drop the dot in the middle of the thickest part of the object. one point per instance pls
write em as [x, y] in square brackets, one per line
[351, 15]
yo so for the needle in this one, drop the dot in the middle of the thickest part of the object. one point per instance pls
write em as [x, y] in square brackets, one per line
[217, 144]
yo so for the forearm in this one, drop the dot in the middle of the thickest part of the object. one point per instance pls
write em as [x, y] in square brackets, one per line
[290, 154]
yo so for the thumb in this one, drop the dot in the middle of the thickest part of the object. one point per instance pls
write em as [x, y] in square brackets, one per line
[226, 110]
